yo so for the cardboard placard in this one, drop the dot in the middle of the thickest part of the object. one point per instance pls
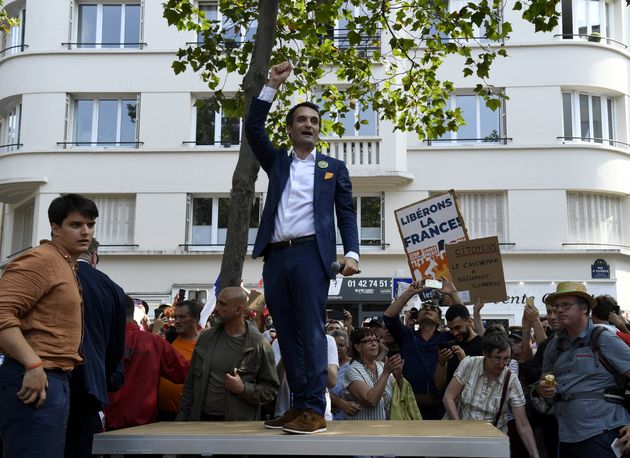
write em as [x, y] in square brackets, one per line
[426, 227]
[476, 268]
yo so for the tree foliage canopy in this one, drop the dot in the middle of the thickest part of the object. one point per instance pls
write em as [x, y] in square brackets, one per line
[399, 78]
[6, 22]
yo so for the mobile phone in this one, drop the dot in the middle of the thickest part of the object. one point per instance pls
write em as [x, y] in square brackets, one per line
[336, 315]
[182, 294]
[428, 294]
[430, 283]
[446, 344]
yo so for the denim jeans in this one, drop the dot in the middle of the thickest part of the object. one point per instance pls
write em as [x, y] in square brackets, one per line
[29, 432]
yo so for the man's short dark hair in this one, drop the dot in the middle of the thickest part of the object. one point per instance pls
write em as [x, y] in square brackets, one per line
[457, 311]
[194, 308]
[604, 306]
[129, 307]
[62, 206]
[494, 341]
[291, 113]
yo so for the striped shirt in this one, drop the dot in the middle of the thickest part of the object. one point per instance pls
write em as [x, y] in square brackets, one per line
[357, 372]
[480, 396]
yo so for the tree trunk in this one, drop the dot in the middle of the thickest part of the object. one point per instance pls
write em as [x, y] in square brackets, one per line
[247, 167]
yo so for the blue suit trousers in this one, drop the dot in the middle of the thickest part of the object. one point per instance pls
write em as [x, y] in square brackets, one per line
[296, 288]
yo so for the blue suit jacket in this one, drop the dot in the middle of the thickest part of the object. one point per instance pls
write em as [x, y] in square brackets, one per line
[329, 195]
[104, 333]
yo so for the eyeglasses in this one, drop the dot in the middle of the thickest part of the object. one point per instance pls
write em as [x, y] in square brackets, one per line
[498, 360]
[564, 306]
[430, 307]
[370, 340]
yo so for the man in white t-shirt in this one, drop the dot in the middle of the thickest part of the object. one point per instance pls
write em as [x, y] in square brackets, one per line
[283, 401]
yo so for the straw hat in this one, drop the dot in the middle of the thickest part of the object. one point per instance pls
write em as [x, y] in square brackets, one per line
[256, 301]
[570, 288]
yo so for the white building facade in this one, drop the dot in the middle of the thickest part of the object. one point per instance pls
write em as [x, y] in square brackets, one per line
[89, 104]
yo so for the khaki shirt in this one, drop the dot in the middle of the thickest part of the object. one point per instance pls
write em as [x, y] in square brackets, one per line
[40, 294]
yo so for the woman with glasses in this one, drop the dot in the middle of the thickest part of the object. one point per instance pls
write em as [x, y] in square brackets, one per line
[342, 408]
[369, 382]
[478, 392]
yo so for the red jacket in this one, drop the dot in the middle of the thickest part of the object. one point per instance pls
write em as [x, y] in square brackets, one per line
[147, 358]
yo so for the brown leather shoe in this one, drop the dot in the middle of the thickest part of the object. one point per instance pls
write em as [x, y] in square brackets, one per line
[278, 423]
[307, 423]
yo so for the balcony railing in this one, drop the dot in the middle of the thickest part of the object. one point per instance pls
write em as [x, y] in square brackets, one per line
[104, 45]
[599, 140]
[97, 144]
[367, 42]
[502, 140]
[12, 50]
[11, 147]
[591, 38]
[224, 144]
[355, 151]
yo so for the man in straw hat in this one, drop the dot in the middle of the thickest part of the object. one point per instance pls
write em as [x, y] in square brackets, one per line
[575, 380]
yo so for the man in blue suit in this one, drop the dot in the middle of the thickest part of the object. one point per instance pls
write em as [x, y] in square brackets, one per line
[102, 347]
[296, 236]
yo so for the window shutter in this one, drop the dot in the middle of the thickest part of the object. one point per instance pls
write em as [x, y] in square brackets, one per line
[116, 221]
[594, 218]
[71, 22]
[68, 121]
[138, 120]
[141, 24]
[484, 213]
[188, 217]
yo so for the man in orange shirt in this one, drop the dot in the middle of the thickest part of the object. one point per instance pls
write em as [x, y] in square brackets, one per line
[187, 314]
[41, 328]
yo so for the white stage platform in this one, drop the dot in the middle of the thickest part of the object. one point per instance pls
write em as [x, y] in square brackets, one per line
[343, 438]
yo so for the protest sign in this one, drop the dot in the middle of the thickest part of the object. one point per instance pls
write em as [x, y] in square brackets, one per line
[476, 268]
[425, 229]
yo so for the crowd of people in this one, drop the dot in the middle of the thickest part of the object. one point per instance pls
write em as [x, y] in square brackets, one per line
[555, 385]
[80, 356]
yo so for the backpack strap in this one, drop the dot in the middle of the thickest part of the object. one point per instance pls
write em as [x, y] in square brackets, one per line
[597, 351]
[506, 382]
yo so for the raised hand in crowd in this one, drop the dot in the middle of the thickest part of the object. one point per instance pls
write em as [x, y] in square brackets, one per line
[477, 321]
[449, 288]
[394, 366]
[279, 74]
[347, 321]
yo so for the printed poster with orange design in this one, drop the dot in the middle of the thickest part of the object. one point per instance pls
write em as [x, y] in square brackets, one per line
[426, 227]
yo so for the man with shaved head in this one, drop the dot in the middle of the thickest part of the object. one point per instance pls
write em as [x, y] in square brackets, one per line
[232, 371]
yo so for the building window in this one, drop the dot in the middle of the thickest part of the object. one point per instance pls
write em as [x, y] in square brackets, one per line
[109, 25]
[588, 117]
[369, 210]
[208, 217]
[594, 218]
[10, 128]
[485, 214]
[105, 122]
[339, 34]
[13, 40]
[116, 220]
[587, 19]
[23, 228]
[482, 125]
[479, 33]
[214, 127]
[231, 33]
[365, 115]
